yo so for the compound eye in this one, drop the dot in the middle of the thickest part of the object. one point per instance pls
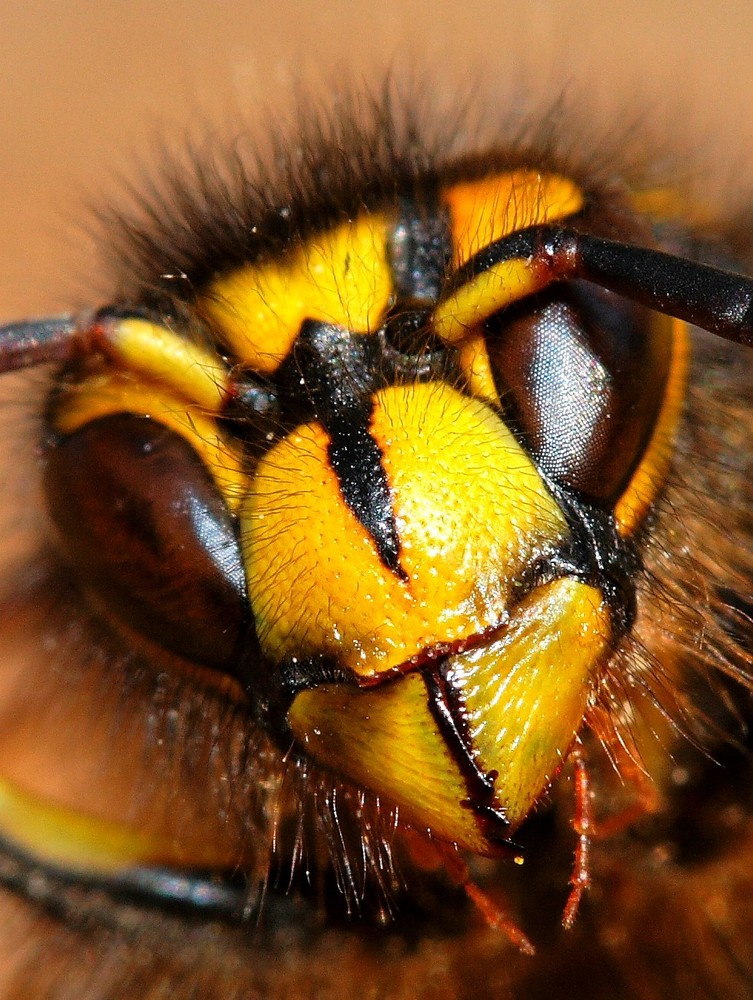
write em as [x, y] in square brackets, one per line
[582, 373]
[148, 532]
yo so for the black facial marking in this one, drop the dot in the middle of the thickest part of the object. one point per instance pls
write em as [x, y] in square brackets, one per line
[329, 370]
[448, 713]
[339, 372]
[357, 461]
[595, 554]
[420, 252]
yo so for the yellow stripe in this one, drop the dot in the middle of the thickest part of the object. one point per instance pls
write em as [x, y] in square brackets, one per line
[59, 836]
[167, 358]
[486, 210]
[650, 475]
[458, 317]
[473, 359]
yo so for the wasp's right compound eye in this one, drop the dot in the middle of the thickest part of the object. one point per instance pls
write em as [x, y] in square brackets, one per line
[583, 373]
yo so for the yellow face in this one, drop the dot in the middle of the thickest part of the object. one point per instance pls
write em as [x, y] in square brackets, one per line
[388, 489]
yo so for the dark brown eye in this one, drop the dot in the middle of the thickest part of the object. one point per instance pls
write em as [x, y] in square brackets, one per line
[145, 528]
[583, 373]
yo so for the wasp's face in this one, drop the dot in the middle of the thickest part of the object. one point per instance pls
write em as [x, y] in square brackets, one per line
[380, 491]
[398, 515]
